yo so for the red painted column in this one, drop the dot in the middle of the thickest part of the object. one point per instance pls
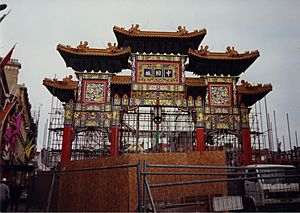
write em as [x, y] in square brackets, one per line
[114, 141]
[66, 146]
[200, 139]
[247, 146]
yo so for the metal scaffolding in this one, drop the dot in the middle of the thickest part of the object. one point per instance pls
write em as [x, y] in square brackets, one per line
[52, 149]
[139, 133]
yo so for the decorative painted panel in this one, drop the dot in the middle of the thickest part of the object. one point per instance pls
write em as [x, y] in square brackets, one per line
[92, 107]
[208, 125]
[229, 80]
[100, 76]
[116, 100]
[220, 95]
[68, 120]
[79, 91]
[207, 110]
[92, 119]
[218, 110]
[198, 102]
[151, 102]
[125, 100]
[90, 115]
[153, 87]
[223, 121]
[236, 110]
[200, 119]
[155, 95]
[94, 91]
[148, 72]
[156, 57]
[166, 102]
[190, 101]
[245, 117]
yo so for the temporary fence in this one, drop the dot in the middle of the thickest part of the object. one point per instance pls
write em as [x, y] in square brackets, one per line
[271, 185]
[146, 187]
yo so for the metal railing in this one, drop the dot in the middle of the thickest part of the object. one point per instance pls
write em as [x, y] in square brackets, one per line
[146, 196]
[229, 175]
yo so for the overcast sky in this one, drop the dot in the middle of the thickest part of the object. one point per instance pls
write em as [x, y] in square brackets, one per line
[270, 26]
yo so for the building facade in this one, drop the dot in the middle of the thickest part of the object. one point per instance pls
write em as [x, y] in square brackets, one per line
[18, 132]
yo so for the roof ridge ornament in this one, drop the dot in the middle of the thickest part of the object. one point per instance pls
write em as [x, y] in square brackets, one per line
[246, 83]
[83, 46]
[112, 48]
[182, 31]
[231, 51]
[134, 29]
[203, 51]
[68, 78]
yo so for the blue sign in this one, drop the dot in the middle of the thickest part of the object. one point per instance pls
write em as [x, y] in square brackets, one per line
[168, 73]
[158, 73]
[148, 72]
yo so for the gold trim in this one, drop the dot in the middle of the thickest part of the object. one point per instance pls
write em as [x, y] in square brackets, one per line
[247, 89]
[180, 33]
[83, 49]
[230, 54]
[67, 83]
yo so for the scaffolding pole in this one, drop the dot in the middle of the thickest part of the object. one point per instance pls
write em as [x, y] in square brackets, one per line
[288, 123]
[275, 129]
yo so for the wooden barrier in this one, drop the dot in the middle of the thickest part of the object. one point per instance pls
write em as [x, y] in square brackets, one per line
[115, 190]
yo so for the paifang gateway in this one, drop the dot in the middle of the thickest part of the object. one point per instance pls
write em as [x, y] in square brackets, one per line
[157, 108]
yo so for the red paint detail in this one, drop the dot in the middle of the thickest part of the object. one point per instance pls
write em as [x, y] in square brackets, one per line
[239, 98]
[114, 141]
[66, 145]
[247, 146]
[6, 58]
[200, 139]
[185, 92]
[3, 116]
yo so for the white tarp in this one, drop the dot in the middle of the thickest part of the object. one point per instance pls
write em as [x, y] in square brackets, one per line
[227, 203]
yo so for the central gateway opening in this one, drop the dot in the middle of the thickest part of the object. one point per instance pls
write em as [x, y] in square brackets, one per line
[141, 134]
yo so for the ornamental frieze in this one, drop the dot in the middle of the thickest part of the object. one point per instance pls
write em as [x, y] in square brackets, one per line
[155, 95]
[149, 57]
[229, 80]
[92, 107]
[100, 76]
[151, 87]
[92, 119]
